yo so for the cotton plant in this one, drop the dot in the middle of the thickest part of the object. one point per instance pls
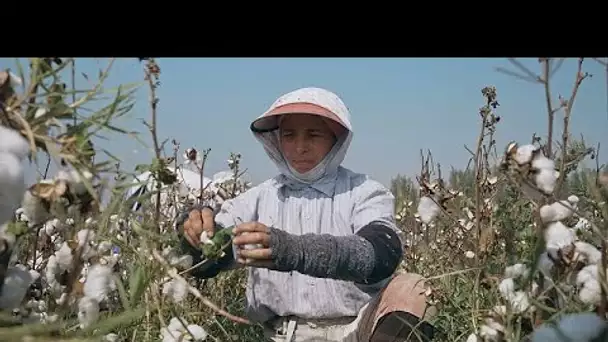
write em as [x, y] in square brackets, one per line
[70, 257]
[95, 275]
[444, 213]
[518, 299]
[579, 260]
[192, 185]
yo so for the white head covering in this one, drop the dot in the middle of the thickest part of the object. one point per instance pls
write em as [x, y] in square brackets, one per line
[315, 101]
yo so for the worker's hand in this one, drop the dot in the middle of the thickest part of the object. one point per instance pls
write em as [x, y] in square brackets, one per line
[253, 244]
[199, 221]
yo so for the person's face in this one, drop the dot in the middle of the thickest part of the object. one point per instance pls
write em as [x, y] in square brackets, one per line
[305, 140]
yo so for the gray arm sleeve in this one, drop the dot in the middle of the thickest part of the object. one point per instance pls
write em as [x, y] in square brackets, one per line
[365, 258]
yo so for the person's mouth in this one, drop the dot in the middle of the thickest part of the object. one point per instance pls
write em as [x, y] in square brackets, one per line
[302, 164]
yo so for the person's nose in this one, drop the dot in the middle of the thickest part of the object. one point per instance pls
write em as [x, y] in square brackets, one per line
[302, 145]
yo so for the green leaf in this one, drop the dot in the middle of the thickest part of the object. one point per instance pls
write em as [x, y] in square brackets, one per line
[137, 285]
[111, 324]
[17, 228]
[122, 293]
[221, 239]
[142, 167]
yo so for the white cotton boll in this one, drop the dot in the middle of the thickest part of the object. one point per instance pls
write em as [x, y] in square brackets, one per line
[428, 209]
[13, 142]
[543, 163]
[111, 337]
[84, 236]
[34, 274]
[12, 185]
[20, 215]
[587, 281]
[590, 293]
[472, 338]
[196, 332]
[176, 325]
[583, 225]
[99, 282]
[573, 199]
[53, 226]
[557, 211]
[524, 153]
[490, 330]
[39, 260]
[587, 274]
[88, 311]
[558, 236]
[587, 252]
[16, 283]
[41, 111]
[36, 305]
[50, 227]
[204, 238]
[545, 180]
[176, 290]
[64, 257]
[52, 269]
[176, 331]
[516, 271]
[50, 318]
[34, 209]
[488, 334]
[581, 327]
[507, 288]
[169, 336]
[57, 241]
[466, 224]
[519, 302]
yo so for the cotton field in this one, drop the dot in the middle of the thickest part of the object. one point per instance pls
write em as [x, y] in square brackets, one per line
[512, 246]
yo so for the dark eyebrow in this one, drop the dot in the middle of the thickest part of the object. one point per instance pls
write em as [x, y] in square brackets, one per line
[317, 130]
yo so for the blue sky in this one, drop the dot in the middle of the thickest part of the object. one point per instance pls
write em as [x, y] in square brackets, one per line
[398, 106]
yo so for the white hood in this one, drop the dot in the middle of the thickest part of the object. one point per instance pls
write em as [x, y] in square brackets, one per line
[330, 106]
